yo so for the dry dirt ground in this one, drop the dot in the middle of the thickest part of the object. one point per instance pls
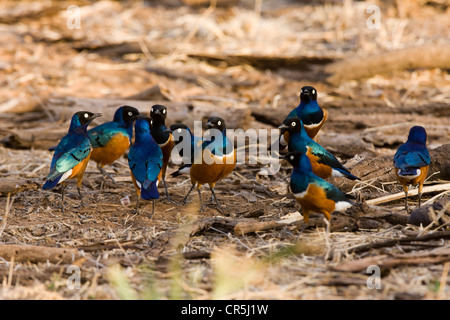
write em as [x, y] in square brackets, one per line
[247, 59]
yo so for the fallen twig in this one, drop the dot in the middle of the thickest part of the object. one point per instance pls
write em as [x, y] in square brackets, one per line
[438, 255]
[400, 195]
[35, 254]
[393, 242]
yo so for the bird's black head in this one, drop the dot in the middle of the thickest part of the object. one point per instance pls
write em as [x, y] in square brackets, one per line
[158, 112]
[126, 114]
[293, 157]
[178, 126]
[298, 159]
[292, 124]
[308, 94]
[86, 117]
[417, 134]
[216, 123]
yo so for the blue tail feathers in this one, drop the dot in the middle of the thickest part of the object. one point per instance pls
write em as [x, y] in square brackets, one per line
[149, 190]
[50, 184]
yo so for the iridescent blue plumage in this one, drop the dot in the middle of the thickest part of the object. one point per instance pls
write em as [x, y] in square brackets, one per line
[158, 129]
[102, 134]
[309, 111]
[71, 154]
[302, 176]
[413, 154]
[145, 159]
[186, 150]
[300, 141]
[73, 148]
[112, 139]
[312, 192]
[215, 160]
[412, 161]
[217, 141]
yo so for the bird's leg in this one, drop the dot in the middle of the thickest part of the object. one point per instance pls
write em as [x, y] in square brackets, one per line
[63, 188]
[185, 198]
[167, 192]
[215, 198]
[420, 193]
[406, 201]
[165, 188]
[211, 200]
[153, 209]
[200, 198]
[305, 222]
[103, 171]
[81, 197]
[136, 209]
[302, 229]
[219, 207]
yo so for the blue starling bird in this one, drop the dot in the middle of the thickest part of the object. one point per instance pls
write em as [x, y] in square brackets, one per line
[112, 139]
[145, 159]
[412, 161]
[309, 111]
[312, 192]
[158, 129]
[218, 159]
[71, 155]
[324, 164]
[194, 144]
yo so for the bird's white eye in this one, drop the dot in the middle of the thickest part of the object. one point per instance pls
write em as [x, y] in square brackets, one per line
[86, 115]
[291, 157]
[219, 123]
[179, 130]
[130, 113]
[151, 110]
[151, 122]
[314, 92]
[164, 111]
[293, 124]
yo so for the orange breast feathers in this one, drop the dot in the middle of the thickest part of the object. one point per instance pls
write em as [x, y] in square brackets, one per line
[418, 180]
[322, 170]
[78, 171]
[212, 171]
[315, 200]
[112, 151]
[312, 130]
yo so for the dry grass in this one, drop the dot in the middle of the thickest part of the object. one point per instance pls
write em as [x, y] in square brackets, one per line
[40, 58]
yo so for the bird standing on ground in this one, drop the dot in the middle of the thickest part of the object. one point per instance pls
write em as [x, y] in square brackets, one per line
[163, 138]
[309, 111]
[71, 155]
[145, 159]
[412, 161]
[324, 164]
[218, 159]
[111, 140]
[312, 192]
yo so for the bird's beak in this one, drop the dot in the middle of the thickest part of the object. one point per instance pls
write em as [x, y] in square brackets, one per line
[283, 128]
[133, 118]
[306, 92]
[96, 115]
[167, 131]
[209, 125]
